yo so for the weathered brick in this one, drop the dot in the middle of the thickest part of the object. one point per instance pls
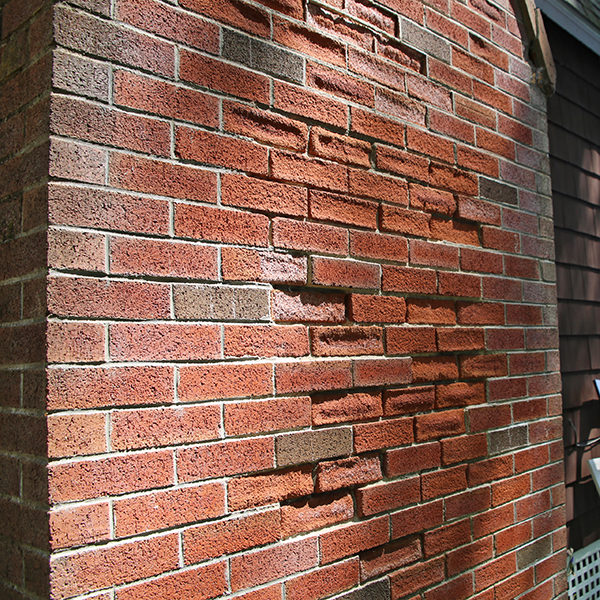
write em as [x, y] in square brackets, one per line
[352, 538]
[241, 264]
[312, 446]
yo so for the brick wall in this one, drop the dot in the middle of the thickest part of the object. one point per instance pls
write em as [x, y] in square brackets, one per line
[302, 320]
[25, 76]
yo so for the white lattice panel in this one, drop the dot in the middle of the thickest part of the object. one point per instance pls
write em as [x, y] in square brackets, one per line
[584, 579]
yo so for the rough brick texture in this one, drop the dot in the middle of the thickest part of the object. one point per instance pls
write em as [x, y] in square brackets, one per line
[291, 292]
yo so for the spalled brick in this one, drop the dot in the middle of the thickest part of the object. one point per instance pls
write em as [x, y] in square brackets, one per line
[346, 341]
[258, 490]
[347, 472]
[340, 408]
[315, 513]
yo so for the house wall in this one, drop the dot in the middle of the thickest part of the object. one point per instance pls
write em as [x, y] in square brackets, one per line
[301, 333]
[574, 132]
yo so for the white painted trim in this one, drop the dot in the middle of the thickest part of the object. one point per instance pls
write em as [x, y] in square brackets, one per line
[572, 22]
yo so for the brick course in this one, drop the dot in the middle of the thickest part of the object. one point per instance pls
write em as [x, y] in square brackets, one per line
[288, 326]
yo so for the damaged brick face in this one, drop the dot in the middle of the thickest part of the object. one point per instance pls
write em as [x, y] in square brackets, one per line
[280, 276]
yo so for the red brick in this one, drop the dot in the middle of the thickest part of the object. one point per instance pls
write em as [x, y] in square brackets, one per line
[374, 68]
[268, 196]
[79, 297]
[353, 538]
[206, 382]
[413, 578]
[210, 148]
[164, 99]
[377, 309]
[459, 588]
[69, 205]
[315, 513]
[264, 126]
[77, 162]
[341, 408]
[531, 459]
[308, 41]
[339, 148]
[233, 12]
[446, 538]
[444, 482]
[78, 573]
[475, 209]
[505, 339]
[164, 341]
[273, 592]
[452, 126]
[377, 245]
[218, 225]
[459, 284]
[499, 239]
[325, 581]
[430, 145]
[345, 273]
[434, 368]
[147, 428]
[459, 394]
[400, 105]
[439, 71]
[510, 489]
[306, 103]
[512, 537]
[449, 340]
[495, 571]
[200, 582]
[334, 24]
[548, 476]
[112, 386]
[265, 340]
[267, 415]
[225, 458]
[343, 209]
[78, 526]
[400, 220]
[410, 340]
[467, 503]
[523, 314]
[417, 519]
[375, 126]
[470, 555]
[346, 341]
[478, 313]
[501, 389]
[382, 434]
[483, 365]
[75, 342]
[440, 312]
[454, 231]
[439, 424]
[402, 163]
[93, 123]
[347, 472]
[337, 83]
[404, 279]
[464, 448]
[415, 458]
[76, 434]
[378, 186]
[454, 180]
[162, 178]
[308, 306]
[518, 266]
[499, 288]
[433, 254]
[110, 40]
[532, 505]
[389, 557]
[387, 496]
[383, 371]
[431, 200]
[220, 76]
[164, 509]
[88, 479]
[297, 168]
[481, 261]
[408, 401]
[228, 536]
[164, 21]
[161, 258]
[300, 235]
[272, 563]
[314, 376]
[242, 264]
